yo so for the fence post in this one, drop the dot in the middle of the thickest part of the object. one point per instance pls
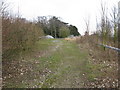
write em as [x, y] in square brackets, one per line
[118, 23]
[118, 44]
[0, 45]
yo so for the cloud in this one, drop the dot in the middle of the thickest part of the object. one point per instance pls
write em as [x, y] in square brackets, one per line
[71, 11]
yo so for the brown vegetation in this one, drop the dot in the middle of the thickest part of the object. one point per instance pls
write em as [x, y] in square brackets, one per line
[18, 33]
[107, 59]
[73, 38]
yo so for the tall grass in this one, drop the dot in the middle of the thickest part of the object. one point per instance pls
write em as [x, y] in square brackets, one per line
[18, 34]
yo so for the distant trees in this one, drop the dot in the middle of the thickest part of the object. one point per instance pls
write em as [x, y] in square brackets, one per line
[55, 27]
[74, 30]
[64, 32]
[43, 23]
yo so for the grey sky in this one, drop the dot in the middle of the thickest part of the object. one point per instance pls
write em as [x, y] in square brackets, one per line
[71, 11]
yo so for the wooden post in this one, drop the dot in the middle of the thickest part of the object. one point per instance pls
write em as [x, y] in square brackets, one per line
[118, 19]
[0, 45]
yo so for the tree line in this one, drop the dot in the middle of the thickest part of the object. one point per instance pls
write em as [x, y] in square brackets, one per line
[21, 34]
[57, 28]
[107, 26]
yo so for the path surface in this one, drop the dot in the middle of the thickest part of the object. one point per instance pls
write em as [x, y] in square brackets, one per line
[68, 69]
[59, 65]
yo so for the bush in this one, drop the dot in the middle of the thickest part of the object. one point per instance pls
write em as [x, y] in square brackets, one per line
[19, 33]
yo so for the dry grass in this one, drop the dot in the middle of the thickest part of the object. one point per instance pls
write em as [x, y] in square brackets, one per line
[72, 39]
[107, 60]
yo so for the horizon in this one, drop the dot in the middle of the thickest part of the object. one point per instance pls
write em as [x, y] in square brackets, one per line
[72, 12]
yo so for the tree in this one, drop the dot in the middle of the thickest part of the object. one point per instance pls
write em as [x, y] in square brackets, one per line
[74, 30]
[114, 23]
[55, 25]
[64, 32]
[87, 24]
[43, 23]
[105, 24]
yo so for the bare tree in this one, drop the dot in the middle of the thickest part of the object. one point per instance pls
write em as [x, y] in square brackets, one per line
[114, 17]
[103, 9]
[105, 24]
[3, 9]
[87, 24]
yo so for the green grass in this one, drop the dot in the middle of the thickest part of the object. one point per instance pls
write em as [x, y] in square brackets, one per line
[43, 44]
[92, 70]
[67, 61]
[68, 54]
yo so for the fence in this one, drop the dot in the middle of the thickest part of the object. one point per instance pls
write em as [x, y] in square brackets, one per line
[117, 49]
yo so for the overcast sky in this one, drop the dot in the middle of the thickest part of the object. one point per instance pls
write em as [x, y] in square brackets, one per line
[71, 11]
